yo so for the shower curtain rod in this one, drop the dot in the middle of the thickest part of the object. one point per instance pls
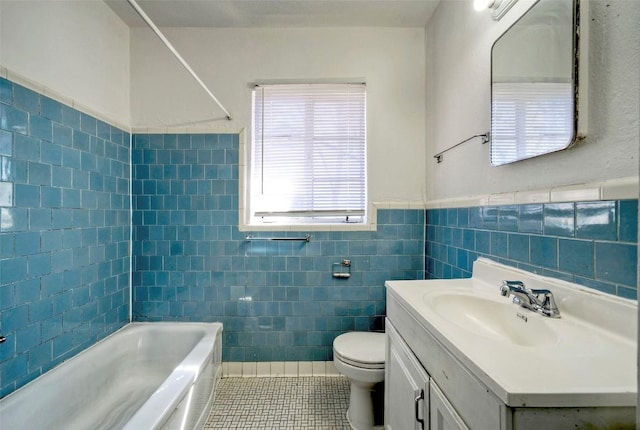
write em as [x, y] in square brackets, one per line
[168, 44]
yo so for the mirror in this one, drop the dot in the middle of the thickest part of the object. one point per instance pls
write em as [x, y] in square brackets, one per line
[534, 83]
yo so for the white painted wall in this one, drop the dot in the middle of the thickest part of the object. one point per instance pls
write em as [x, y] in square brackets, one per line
[229, 61]
[78, 49]
[458, 46]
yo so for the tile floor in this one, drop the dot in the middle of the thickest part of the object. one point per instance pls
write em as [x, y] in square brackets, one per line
[302, 403]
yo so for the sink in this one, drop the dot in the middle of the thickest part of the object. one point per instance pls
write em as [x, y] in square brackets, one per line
[585, 358]
[497, 319]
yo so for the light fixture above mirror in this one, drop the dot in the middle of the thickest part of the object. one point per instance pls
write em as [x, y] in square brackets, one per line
[497, 8]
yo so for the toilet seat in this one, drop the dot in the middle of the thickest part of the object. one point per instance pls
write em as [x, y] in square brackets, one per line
[365, 350]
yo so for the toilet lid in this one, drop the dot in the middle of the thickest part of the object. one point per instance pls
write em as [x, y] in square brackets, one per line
[361, 349]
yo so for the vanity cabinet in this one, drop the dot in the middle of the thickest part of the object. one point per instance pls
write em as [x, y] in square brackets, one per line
[443, 416]
[460, 356]
[412, 399]
[458, 399]
[406, 403]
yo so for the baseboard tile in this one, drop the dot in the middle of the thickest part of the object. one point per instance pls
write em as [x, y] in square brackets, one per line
[266, 369]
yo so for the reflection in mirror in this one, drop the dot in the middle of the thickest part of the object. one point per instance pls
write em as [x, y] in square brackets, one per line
[533, 83]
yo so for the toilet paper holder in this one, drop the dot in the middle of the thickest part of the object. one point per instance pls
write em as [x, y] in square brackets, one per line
[342, 270]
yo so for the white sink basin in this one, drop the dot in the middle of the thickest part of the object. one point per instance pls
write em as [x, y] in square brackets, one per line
[497, 319]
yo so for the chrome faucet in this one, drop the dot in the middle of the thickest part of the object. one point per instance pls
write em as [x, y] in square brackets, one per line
[537, 300]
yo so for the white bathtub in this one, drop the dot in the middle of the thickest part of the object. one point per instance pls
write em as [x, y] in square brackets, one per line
[145, 376]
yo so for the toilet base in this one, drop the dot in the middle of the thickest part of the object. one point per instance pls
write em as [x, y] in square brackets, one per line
[360, 413]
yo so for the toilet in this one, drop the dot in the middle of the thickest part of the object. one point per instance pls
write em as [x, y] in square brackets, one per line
[360, 357]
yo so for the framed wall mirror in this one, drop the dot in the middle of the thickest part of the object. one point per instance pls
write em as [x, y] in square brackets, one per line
[534, 83]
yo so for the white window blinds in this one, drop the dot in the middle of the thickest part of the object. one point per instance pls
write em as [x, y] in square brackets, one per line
[308, 153]
[538, 116]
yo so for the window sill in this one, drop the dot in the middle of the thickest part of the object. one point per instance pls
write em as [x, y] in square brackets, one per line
[309, 227]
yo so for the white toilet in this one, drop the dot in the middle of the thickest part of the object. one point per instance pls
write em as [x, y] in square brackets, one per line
[360, 357]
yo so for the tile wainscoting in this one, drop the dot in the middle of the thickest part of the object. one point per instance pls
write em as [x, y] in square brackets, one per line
[277, 300]
[591, 243]
[64, 232]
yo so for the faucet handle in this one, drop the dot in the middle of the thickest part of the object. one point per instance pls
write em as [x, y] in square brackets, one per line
[547, 303]
[507, 287]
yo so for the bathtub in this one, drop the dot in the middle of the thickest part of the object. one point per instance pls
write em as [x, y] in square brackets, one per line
[144, 376]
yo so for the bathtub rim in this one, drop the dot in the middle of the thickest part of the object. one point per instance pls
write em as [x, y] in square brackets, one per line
[211, 330]
[157, 409]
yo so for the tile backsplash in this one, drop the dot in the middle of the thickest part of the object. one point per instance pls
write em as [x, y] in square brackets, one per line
[590, 243]
[64, 232]
[68, 209]
[277, 300]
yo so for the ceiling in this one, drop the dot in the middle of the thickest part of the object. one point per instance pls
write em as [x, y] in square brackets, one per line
[278, 13]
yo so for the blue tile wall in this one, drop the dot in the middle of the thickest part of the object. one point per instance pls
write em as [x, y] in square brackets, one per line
[594, 244]
[277, 300]
[64, 232]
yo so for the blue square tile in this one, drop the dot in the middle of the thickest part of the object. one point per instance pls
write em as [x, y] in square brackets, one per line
[13, 270]
[544, 251]
[103, 130]
[6, 194]
[71, 158]
[51, 154]
[576, 256]
[530, 218]
[482, 241]
[559, 219]
[518, 247]
[451, 216]
[81, 141]
[433, 217]
[62, 135]
[12, 119]
[51, 240]
[6, 91]
[463, 217]
[617, 262]
[6, 143]
[88, 124]
[490, 217]
[39, 264]
[40, 218]
[27, 148]
[50, 197]
[508, 218]
[26, 99]
[628, 218]
[28, 338]
[51, 109]
[597, 220]
[39, 174]
[14, 219]
[27, 243]
[40, 128]
[498, 244]
[627, 293]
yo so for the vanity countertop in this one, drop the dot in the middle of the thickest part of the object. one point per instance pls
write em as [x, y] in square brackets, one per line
[585, 358]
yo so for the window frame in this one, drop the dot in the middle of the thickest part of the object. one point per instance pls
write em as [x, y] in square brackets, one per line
[290, 222]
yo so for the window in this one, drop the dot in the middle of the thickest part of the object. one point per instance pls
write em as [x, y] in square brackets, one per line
[308, 154]
[536, 115]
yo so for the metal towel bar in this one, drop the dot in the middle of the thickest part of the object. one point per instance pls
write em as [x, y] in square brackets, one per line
[306, 238]
[485, 139]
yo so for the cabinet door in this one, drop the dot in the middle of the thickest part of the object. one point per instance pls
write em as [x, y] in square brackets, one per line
[443, 416]
[406, 395]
